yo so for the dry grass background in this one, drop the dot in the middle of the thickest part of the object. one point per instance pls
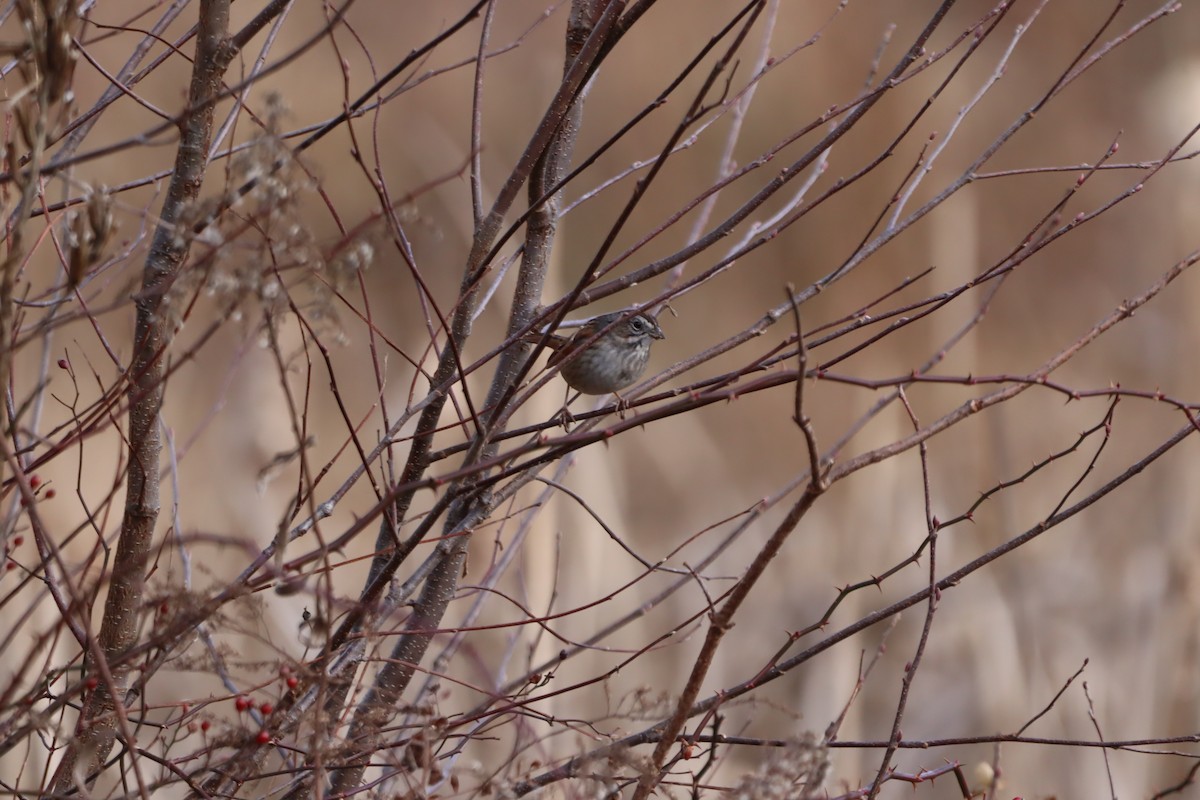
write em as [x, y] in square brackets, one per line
[1114, 587]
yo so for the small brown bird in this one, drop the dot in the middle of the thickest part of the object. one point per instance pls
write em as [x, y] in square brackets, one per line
[612, 362]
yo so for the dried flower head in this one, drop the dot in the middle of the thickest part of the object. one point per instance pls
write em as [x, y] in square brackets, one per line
[794, 772]
[50, 53]
[88, 232]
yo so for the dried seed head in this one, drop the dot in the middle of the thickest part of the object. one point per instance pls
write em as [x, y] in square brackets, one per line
[100, 217]
[50, 64]
[88, 234]
[795, 771]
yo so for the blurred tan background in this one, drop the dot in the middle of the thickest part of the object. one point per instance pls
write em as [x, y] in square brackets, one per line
[1115, 586]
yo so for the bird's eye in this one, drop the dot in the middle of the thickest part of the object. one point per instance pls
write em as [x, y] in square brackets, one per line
[638, 324]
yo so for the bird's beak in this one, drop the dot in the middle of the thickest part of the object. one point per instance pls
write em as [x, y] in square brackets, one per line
[656, 332]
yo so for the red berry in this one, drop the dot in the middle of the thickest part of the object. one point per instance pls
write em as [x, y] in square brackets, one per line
[292, 682]
[49, 494]
[266, 708]
[263, 737]
[242, 703]
[205, 725]
[62, 363]
[34, 481]
[18, 540]
[91, 683]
